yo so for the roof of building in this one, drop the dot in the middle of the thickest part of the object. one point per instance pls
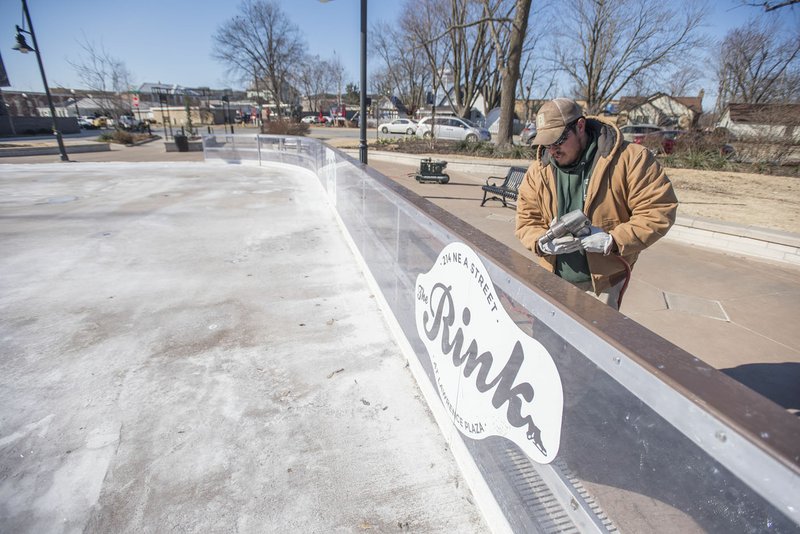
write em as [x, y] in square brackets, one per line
[764, 113]
[694, 103]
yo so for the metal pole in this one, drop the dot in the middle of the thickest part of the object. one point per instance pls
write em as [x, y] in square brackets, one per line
[163, 119]
[362, 125]
[59, 139]
[258, 97]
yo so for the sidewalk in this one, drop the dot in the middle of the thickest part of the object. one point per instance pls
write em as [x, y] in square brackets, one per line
[736, 313]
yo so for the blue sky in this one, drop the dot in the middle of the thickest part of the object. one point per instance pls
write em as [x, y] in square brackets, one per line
[166, 40]
[169, 41]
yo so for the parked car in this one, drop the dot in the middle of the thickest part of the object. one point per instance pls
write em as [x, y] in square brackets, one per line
[131, 123]
[668, 138]
[659, 142]
[527, 134]
[101, 122]
[329, 120]
[630, 131]
[371, 122]
[452, 128]
[399, 126]
[310, 119]
[86, 124]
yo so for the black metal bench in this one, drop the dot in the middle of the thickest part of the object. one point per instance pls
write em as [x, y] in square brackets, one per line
[507, 190]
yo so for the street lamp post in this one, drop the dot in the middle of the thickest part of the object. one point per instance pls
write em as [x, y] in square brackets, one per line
[161, 99]
[226, 109]
[75, 97]
[362, 113]
[23, 47]
[362, 122]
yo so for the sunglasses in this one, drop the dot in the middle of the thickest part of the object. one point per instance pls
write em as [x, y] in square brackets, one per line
[564, 136]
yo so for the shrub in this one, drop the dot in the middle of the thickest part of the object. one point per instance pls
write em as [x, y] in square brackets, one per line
[654, 143]
[285, 128]
[117, 136]
[122, 137]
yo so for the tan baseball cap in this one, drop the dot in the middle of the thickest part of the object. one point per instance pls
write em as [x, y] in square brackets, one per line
[553, 117]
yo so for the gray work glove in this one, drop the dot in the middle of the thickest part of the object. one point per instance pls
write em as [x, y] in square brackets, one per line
[560, 245]
[597, 241]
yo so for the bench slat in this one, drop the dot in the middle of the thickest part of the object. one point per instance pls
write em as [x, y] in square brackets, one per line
[508, 189]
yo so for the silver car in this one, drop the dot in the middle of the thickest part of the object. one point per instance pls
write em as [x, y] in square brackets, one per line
[454, 128]
[631, 131]
[399, 126]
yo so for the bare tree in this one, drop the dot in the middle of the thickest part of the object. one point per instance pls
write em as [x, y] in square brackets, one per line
[311, 82]
[261, 38]
[509, 62]
[606, 44]
[758, 64]
[380, 82]
[684, 80]
[406, 69]
[105, 76]
[454, 44]
[334, 75]
[534, 76]
[772, 6]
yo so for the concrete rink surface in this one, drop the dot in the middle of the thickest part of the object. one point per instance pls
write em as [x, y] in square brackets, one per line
[192, 347]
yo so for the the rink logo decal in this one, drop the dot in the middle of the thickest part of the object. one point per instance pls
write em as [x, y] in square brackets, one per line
[493, 379]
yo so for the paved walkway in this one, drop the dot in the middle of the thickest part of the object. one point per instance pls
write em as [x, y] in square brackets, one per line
[738, 314]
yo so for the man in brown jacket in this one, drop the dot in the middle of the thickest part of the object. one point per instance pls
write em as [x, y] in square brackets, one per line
[583, 163]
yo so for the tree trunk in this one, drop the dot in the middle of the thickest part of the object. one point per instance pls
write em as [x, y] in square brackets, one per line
[505, 131]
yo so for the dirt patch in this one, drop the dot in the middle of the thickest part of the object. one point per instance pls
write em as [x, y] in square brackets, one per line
[742, 198]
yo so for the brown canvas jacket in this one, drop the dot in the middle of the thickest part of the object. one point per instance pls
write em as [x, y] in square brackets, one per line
[629, 196]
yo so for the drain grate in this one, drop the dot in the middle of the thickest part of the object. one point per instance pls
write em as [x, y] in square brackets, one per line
[544, 507]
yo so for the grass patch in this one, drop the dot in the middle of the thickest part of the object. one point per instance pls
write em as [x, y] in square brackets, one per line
[482, 149]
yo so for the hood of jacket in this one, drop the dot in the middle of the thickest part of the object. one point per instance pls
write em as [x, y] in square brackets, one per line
[609, 140]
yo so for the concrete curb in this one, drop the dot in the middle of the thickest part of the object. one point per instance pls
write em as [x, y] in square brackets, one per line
[728, 237]
[738, 239]
[48, 150]
[492, 167]
[145, 141]
[194, 146]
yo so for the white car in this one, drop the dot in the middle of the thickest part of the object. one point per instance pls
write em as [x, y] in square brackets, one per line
[453, 128]
[310, 119]
[399, 126]
[85, 123]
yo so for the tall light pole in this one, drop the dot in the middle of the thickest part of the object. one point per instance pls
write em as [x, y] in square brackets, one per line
[362, 122]
[75, 97]
[23, 47]
[258, 96]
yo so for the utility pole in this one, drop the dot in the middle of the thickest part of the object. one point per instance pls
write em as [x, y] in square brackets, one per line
[24, 48]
